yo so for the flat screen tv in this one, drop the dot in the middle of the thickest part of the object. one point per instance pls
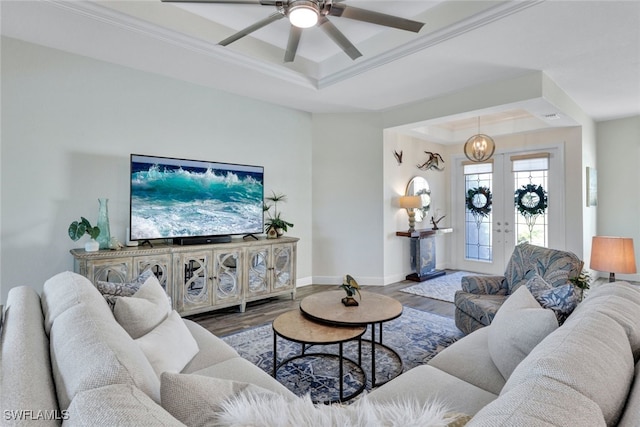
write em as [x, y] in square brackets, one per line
[179, 198]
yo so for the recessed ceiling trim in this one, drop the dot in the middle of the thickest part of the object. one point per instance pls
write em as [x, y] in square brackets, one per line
[128, 23]
[461, 27]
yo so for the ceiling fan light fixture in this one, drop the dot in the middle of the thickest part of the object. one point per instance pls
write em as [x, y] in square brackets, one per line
[303, 14]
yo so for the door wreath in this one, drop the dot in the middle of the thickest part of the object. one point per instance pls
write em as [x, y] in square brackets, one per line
[531, 200]
[479, 201]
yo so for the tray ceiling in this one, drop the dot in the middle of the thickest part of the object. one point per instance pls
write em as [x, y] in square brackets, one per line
[590, 49]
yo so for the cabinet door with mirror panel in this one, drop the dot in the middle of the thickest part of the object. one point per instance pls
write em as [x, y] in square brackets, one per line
[161, 267]
[193, 270]
[258, 271]
[227, 271]
[108, 270]
[283, 267]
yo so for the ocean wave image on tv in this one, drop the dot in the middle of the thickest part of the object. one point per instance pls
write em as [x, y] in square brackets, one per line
[181, 198]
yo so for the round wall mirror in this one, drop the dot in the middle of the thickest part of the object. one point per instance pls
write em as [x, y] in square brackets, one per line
[418, 186]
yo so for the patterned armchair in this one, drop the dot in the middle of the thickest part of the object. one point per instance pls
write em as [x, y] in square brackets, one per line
[481, 296]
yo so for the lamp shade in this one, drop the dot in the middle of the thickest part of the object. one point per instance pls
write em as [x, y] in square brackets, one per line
[410, 202]
[613, 254]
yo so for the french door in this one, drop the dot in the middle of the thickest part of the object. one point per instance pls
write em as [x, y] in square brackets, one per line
[515, 197]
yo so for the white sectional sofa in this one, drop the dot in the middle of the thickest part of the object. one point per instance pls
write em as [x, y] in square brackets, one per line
[517, 373]
[66, 360]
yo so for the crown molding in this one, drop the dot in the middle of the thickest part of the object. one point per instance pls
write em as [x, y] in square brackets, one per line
[128, 23]
[473, 22]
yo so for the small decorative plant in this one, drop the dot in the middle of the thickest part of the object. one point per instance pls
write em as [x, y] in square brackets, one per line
[582, 280]
[351, 287]
[275, 225]
[77, 229]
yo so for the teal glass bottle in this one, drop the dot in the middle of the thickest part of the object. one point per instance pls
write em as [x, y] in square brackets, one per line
[104, 237]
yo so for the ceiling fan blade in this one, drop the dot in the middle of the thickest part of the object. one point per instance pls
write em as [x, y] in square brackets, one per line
[251, 28]
[292, 44]
[372, 17]
[262, 2]
[340, 39]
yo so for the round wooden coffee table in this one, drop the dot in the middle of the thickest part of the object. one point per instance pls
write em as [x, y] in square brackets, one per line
[293, 326]
[374, 309]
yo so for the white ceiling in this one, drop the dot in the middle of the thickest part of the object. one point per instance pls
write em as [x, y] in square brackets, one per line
[590, 49]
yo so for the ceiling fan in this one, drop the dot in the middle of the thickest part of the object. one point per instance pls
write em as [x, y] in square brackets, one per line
[308, 13]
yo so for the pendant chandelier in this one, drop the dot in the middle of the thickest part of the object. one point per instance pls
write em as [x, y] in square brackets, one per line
[480, 147]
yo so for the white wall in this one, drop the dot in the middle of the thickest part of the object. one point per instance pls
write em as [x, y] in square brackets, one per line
[586, 153]
[354, 222]
[69, 124]
[347, 198]
[618, 160]
[396, 177]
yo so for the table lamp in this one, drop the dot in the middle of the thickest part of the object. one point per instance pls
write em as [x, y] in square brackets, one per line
[410, 203]
[613, 254]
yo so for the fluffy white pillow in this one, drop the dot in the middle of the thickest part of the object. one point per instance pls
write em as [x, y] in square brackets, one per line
[144, 310]
[264, 410]
[519, 325]
[170, 346]
[200, 401]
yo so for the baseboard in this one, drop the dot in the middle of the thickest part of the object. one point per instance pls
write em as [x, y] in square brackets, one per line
[337, 280]
[304, 281]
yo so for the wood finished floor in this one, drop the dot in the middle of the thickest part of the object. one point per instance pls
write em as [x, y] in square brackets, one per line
[227, 321]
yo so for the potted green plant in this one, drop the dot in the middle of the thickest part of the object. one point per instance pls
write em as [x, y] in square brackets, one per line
[275, 225]
[581, 281]
[77, 229]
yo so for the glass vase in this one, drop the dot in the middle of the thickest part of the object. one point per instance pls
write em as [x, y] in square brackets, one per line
[104, 237]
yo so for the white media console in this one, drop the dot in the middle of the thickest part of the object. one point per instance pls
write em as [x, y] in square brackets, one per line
[201, 278]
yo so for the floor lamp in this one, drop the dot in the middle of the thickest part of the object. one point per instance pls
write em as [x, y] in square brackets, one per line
[613, 254]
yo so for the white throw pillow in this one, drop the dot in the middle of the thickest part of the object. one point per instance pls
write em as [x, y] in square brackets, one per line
[144, 310]
[170, 346]
[196, 400]
[519, 325]
[117, 405]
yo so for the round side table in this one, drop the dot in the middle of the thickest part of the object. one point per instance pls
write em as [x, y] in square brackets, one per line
[295, 327]
[374, 309]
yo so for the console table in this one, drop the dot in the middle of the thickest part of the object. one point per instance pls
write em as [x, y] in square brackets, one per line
[423, 253]
[201, 278]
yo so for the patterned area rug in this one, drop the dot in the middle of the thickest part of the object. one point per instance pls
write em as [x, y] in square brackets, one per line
[441, 288]
[416, 335]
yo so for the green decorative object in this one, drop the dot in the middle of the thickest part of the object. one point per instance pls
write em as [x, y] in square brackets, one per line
[479, 201]
[104, 238]
[531, 200]
[275, 226]
[77, 229]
